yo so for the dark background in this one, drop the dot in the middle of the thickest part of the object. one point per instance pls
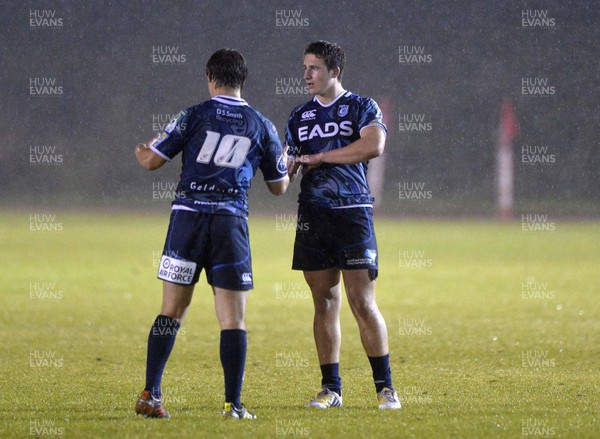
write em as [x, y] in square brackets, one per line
[102, 57]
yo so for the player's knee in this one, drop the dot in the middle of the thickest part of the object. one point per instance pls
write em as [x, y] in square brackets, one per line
[326, 304]
[362, 306]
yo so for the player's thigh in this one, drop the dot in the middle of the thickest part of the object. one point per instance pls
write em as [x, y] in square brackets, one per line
[358, 283]
[176, 299]
[323, 283]
[360, 290]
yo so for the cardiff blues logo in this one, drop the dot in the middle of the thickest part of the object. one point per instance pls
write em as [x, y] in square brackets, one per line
[342, 110]
[281, 165]
[371, 254]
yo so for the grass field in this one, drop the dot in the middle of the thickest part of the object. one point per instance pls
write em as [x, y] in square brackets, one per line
[494, 332]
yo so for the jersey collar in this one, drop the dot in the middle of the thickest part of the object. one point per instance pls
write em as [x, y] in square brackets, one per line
[344, 93]
[229, 100]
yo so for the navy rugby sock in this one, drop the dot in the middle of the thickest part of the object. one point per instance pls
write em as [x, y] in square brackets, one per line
[160, 344]
[331, 377]
[382, 374]
[233, 358]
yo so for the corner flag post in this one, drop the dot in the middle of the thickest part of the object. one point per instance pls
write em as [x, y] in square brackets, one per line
[504, 160]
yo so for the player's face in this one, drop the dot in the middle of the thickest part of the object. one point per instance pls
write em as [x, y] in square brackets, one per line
[319, 80]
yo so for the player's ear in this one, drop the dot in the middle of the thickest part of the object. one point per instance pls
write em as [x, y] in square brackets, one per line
[335, 73]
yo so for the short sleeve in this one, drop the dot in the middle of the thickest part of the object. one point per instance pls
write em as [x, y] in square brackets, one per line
[370, 116]
[171, 141]
[272, 164]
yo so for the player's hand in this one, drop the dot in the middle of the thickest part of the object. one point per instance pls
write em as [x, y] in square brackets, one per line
[284, 155]
[140, 146]
[310, 161]
[293, 165]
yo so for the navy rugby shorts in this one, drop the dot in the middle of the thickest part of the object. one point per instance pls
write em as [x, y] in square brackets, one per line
[216, 243]
[341, 238]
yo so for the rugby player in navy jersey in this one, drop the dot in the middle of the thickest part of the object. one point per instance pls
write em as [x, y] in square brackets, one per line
[223, 142]
[331, 140]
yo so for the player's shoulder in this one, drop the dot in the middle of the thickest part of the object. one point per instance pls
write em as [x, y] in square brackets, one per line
[202, 106]
[261, 118]
[361, 100]
[180, 120]
[255, 113]
[191, 111]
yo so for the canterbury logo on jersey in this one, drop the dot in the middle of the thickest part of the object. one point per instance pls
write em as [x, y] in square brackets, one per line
[309, 115]
[330, 129]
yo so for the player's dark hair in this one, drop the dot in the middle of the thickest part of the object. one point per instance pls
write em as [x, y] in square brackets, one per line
[331, 53]
[227, 68]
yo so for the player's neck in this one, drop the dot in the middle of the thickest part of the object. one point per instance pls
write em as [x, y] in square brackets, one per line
[225, 91]
[331, 93]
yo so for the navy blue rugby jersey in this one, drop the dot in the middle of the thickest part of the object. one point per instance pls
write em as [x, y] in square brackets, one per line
[315, 127]
[223, 141]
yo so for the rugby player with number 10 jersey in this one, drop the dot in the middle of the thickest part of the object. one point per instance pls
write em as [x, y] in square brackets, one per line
[225, 142]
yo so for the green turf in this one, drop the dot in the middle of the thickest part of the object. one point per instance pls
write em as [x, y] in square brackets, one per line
[493, 333]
